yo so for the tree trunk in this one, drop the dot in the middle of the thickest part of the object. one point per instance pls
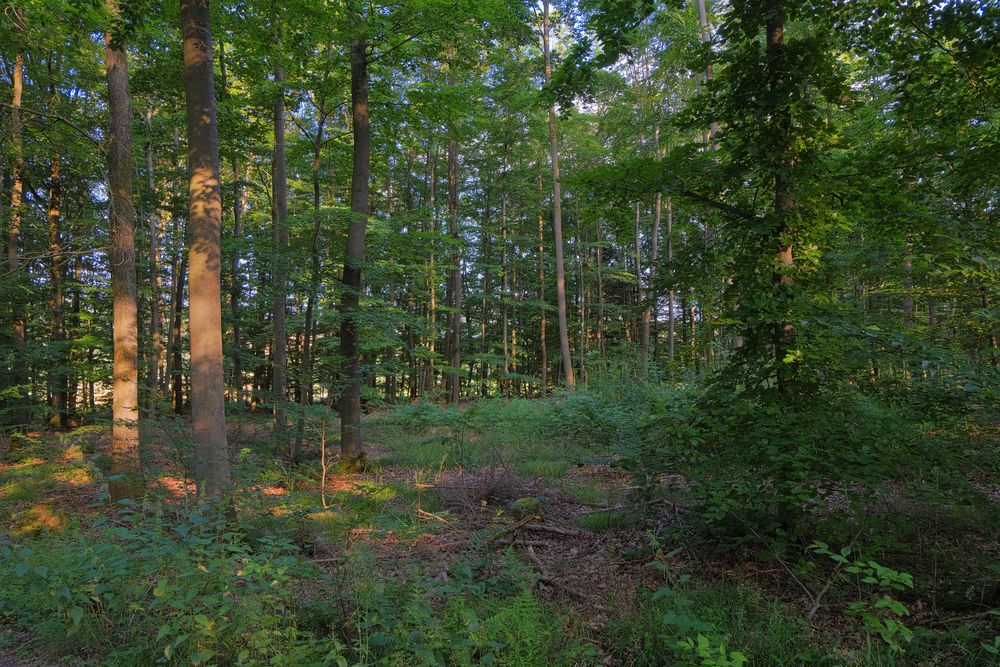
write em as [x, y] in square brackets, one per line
[19, 333]
[208, 415]
[305, 375]
[155, 316]
[279, 352]
[126, 468]
[581, 301]
[236, 285]
[706, 37]
[567, 359]
[484, 347]
[543, 322]
[173, 372]
[354, 258]
[784, 200]
[56, 305]
[640, 297]
[671, 333]
[650, 311]
[908, 320]
[454, 278]
[600, 291]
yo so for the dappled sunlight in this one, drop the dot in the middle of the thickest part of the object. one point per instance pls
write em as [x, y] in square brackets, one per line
[72, 454]
[176, 488]
[38, 518]
[20, 465]
[75, 477]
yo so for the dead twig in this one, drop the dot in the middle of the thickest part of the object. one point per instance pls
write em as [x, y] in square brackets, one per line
[424, 514]
[517, 526]
[556, 530]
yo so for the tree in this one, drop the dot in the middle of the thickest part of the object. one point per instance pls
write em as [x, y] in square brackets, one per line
[126, 469]
[208, 416]
[350, 400]
[279, 351]
[567, 358]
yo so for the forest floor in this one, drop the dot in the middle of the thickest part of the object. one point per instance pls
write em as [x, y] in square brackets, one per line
[458, 513]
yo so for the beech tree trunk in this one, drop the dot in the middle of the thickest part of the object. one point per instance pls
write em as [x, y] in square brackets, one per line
[236, 285]
[126, 469]
[56, 306]
[208, 414]
[155, 316]
[305, 374]
[279, 352]
[18, 331]
[174, 381]
[542, 324]
[354, 258]
[567, 359]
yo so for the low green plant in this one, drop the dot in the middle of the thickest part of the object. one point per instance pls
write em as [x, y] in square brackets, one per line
[712, 653]
[880, 613]
[191, 588]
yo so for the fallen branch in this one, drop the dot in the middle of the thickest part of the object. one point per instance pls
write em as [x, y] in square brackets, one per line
[545, 528]
[424, 514]
[531, 543]
[510, 529]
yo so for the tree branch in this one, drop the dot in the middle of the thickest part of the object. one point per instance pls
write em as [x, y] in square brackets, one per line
[61, 119]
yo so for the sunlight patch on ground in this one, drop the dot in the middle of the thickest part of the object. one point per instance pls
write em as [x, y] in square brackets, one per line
[72, 453]
[267, 490]
[78, 476]
[38, 518]
[26, 463]
[177, 488]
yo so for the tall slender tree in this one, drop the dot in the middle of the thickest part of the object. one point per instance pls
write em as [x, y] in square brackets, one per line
[126, 470]
[567, 358]
[354, 257]
[208, 413]
[279, 199]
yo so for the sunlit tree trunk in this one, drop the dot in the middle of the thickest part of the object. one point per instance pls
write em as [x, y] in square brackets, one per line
[56, 305]
[18, 330]
[208, 416]
[126, 469]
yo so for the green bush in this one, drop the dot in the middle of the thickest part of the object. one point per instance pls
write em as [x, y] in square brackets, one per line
[189, 588]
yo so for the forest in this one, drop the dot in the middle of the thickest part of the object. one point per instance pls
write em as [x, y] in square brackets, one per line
[500, 332]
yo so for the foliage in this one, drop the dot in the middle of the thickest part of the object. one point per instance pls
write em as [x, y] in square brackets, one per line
[154, 586]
